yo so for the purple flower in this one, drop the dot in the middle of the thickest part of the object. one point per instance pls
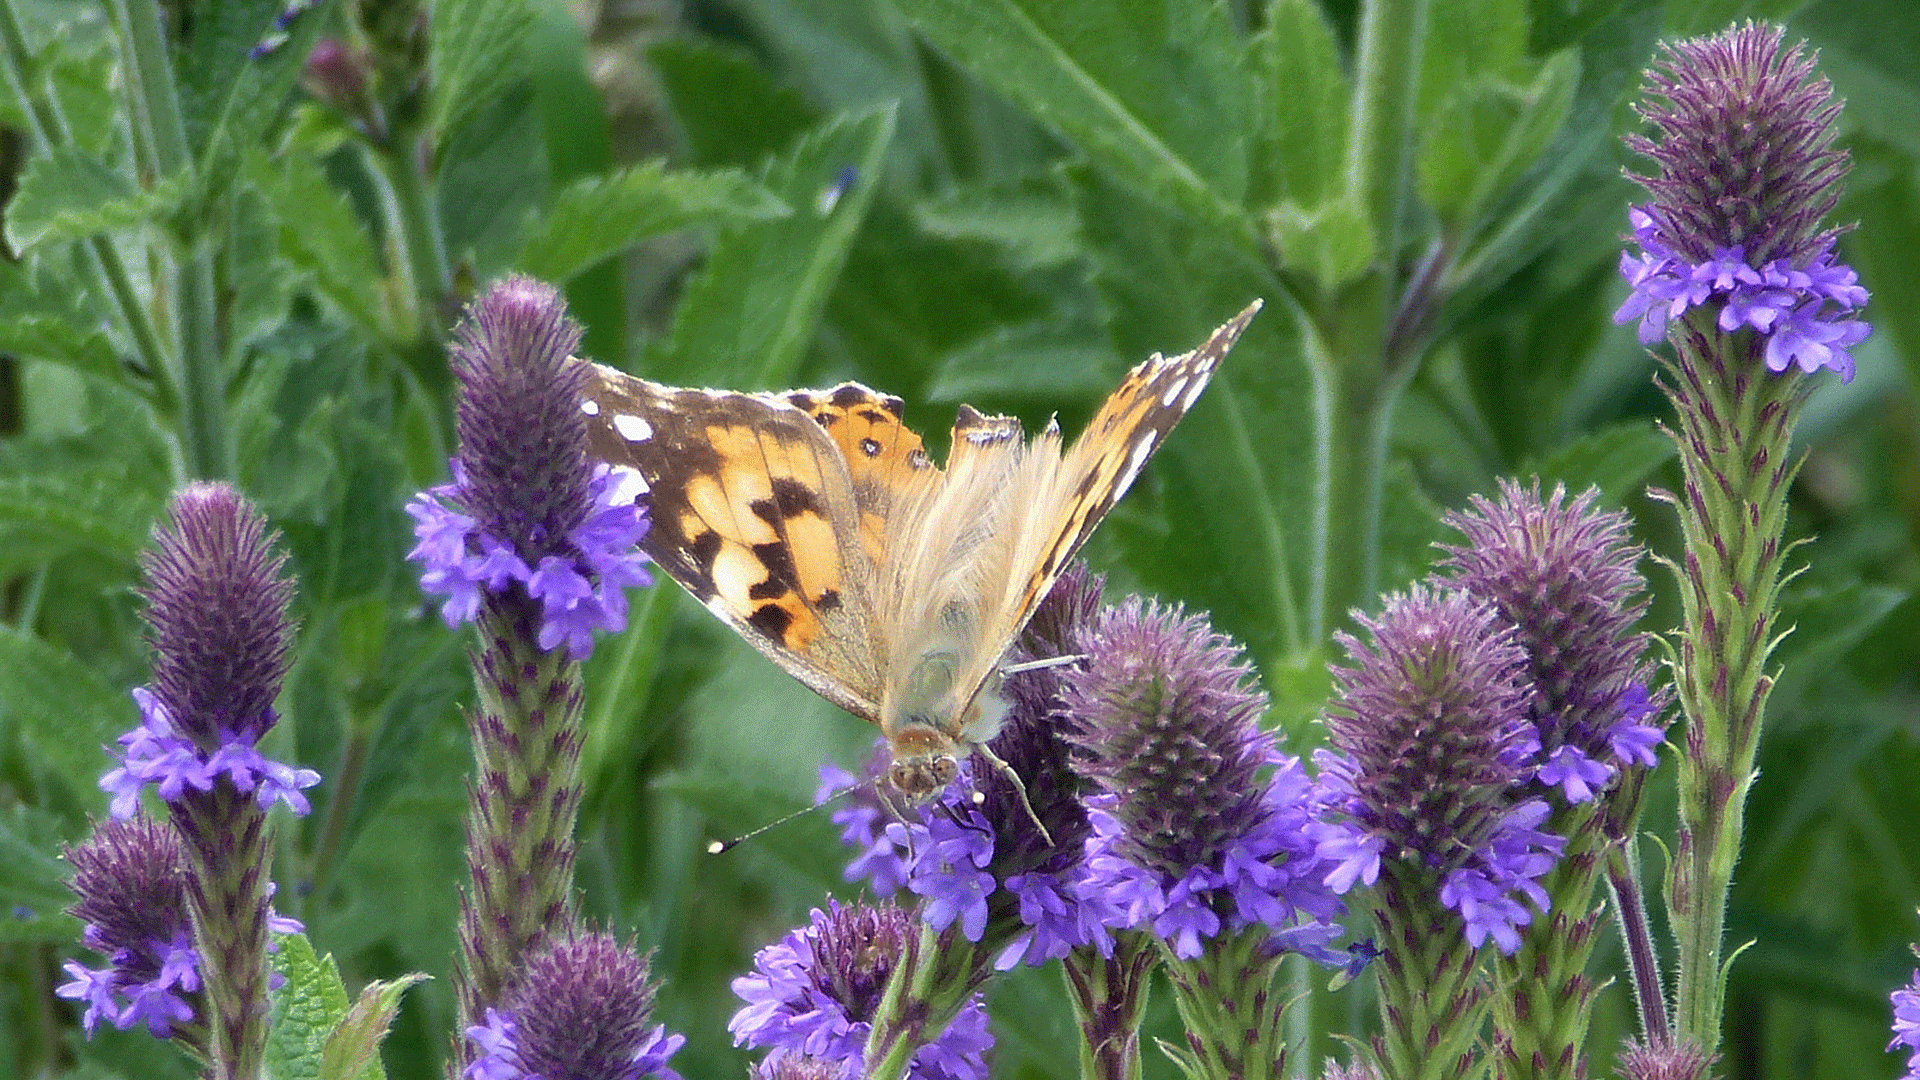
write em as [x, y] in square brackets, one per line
[1563, 573]
[1429, 740]
[130, 878]
[579, 1010]
[1745, 176]
[814, 995]
[1199, 824]
[1906, 1025]
[527, 513]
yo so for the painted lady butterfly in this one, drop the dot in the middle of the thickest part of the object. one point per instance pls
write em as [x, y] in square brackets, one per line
[814, 524]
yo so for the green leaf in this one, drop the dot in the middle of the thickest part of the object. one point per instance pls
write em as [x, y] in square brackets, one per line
[1223, 516]
[1490, 131]
[41, 322]
[1618, 460]
[751, 315]
[1158, 91]
[728, 109]
[1468, 42]
[71, 195]
[321, 236]
[1306, 98]
[62, 712]
[353, 1051]
[47, 516]
[474, 53]
[307, 1009]
[1029, 221]
[33, 892]
[1333, 243]
[595, 218]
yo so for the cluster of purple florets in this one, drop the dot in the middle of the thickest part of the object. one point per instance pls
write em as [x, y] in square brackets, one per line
[157, 753]
[578, 593]
[1807, 313]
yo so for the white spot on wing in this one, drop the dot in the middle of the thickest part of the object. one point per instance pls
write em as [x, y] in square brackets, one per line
[1193, 392]
[1173, 391]
[633, 428]
[627, 485]
[590, 407]
[1142, 450]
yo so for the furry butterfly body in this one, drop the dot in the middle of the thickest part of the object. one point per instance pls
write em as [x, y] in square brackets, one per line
[814, 523]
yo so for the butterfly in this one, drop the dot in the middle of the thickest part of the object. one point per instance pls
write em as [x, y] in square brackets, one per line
[814, 523]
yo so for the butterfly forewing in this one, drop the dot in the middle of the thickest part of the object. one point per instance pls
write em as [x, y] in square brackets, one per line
[751, 501]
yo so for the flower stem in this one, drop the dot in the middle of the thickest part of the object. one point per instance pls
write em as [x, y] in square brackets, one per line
[1109, 995]
[1735, 426]
[1543, 998]
[522, 801]
[927, 990]
[229, 852]
[1233, 1021]
[1431, 997]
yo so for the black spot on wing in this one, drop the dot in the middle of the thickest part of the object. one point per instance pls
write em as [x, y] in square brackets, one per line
[782, 578]
[771, 620]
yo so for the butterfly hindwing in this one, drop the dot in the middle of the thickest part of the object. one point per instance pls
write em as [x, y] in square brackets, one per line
[750, 501]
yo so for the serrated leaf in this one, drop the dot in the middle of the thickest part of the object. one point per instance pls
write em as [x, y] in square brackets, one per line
[321, 236]
[1030, 222]
[70, 195]
[353, 1051]
[729, 110]
[63, 714]
[1306, 98]
[600, 216]
[43, 317]
[751, 314]
[473, 54]
[33, 892]
[1236, 475]
[307, 1008]
[46, 515]
[1156, 90]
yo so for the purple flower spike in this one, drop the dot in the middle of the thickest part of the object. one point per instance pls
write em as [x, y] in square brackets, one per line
[130, 878]
[1200, 824]
[1657, 1059]
[527, 511]
[1429, 749]
[579, 1011]
[1563, 573]
[1745, 175]
[814, 995]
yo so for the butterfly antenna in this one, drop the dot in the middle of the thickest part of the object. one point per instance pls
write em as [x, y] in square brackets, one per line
[1019, 785]
[721, 847]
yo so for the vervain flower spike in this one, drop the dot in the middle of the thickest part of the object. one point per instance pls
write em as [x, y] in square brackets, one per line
[535, 544]
[1738, 267]
[579, 1010]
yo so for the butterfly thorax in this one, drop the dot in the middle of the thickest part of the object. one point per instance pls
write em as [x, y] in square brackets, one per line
[931, 722]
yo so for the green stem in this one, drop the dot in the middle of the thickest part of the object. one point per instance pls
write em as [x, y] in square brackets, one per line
[417, 256]
[927, 990]
[1734, 432]
[1543, 999]
[1109, 996]
[1235, 1030]
[1432, 1000]
[202, 375]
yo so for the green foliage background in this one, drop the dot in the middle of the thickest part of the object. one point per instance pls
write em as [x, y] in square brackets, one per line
[1043, 192]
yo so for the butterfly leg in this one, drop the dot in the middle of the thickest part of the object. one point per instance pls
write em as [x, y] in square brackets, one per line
[1019, 785]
